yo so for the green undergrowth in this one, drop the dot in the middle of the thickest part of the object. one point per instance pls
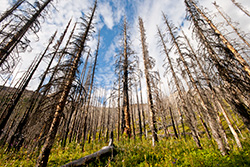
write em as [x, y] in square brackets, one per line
[168, 152]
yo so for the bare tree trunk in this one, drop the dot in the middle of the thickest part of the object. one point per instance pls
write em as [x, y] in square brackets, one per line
[139, 112]
[231, 25]
[148, 81]
[132, 114]
[78, 101]
[173, 124]
[44, 154]
[236, 54]
[8, 48]
[119, 108]
[125, 108]
[142, 110]
[241, 8]
[90, 93]
[10, 11]
[194, 133]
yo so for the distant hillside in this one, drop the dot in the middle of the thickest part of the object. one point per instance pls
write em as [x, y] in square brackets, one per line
[5, 89]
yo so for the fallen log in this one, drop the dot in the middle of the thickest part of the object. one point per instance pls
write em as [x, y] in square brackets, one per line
[104, 151]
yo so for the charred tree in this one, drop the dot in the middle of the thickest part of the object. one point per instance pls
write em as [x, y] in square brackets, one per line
[125, 106]
[147, 66]
[90, 91]
[214, 95]
[241, 7]
[227, 43]
[44, 154]
[26, 79]
[225, 17]
[192, 128]
[6, 50]
[9, 12]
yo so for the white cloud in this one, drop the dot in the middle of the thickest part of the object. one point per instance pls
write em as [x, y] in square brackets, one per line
[106, 12]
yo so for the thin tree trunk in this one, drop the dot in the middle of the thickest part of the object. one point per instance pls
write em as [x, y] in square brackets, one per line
[231, 25]
[44, 154]
[119, 109]
[8, 48]
[10, 11]
[90, 92]
[148, 81]
[132, 115]
[139, 112]
[142, 110]
[194, 133]
[125, 107]
[241, 8]
[236, 54]
[173, 124]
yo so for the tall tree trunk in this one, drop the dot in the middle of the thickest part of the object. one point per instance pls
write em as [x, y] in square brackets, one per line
[125, 107]
[142, 110]
[148, 82]
[194, 133]
[139, 112]
[11, 106]
[119, 108]
[44, 154]
[90, 92]
[241, 8]
[132, 115]
[10, 11]
[236, 54]
[8, 48]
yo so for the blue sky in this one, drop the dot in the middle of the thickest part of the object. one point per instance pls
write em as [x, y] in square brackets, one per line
[109, 20]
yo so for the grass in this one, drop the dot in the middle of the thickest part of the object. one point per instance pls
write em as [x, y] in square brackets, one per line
[168, 152]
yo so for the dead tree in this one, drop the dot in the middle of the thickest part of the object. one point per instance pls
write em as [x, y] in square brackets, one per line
[119, 107]
[9, 12]
[184, 105]
[132, 113]
[139, 112]
[125, 65]
[142, 109]
[26, 79]
[75, 109]
[214, 95]
[227, 43]
[241, 8]
[45, 151]
[233, 83]
[90, 92]
[227, 19]
[7, 49]
[147, 66]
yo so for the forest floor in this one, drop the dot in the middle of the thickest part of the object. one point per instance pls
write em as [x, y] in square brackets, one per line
[168, 152]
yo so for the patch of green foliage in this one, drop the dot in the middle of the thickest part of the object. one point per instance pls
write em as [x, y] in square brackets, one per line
[178, 152]
[168, 152]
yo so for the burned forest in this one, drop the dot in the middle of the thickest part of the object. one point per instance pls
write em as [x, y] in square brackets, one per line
[134, 89]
